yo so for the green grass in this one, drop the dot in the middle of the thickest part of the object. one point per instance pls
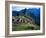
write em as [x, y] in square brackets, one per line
[19, 27]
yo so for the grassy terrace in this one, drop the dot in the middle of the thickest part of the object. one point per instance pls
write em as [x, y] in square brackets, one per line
[23, 26]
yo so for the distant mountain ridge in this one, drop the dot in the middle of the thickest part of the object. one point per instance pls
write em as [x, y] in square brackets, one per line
[17, 13]
[26, 11]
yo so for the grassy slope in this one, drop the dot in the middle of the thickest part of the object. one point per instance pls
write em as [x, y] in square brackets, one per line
[24, 26]
[18, 27]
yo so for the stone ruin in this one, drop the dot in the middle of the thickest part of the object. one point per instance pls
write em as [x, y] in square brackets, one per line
[18, 20]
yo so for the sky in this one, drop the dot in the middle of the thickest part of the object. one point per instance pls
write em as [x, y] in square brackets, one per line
[19, 8]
